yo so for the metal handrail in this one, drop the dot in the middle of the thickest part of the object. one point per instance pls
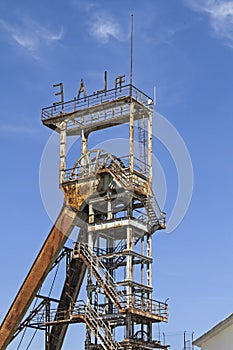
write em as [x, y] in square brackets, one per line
[111, 95]
[91, 317]
[80, 170]
[135, 301]
[120, 168]
[100, 271]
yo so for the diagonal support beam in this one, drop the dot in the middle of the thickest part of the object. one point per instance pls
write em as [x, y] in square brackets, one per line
[39, 270]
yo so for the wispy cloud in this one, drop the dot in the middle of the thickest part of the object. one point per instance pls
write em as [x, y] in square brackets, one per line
[220, 13]
[30, 35]
[103, 27]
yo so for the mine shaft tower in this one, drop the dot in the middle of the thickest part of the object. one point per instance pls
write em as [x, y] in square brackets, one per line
[111, 200]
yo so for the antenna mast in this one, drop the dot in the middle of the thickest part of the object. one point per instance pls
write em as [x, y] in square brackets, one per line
[131, 54]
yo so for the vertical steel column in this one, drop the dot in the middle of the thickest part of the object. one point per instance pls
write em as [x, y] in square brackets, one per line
[149, 331]
[110, 242]
[89, 289]
[84, 143]
[145, 160]
[142, 265]
[129, 233]
[149, 265]
[62, 151]
[91, 221]
[128, 330]
[68, 277]
[47, 327]
[91, 214]
[88, 331]
[150, 159]
[109, 210]
[131, 137]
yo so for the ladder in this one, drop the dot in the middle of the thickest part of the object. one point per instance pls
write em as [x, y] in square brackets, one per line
[142, 143]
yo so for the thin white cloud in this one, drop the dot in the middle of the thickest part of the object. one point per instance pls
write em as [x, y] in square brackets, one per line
[220, 13]
[103, 27]
[30, 35]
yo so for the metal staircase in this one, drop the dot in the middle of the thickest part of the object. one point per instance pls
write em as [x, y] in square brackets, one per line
[102, 275]
[121, 258]
[97, 326]
[80, 311]
[156, 217]
[121, 174]
[120, 246]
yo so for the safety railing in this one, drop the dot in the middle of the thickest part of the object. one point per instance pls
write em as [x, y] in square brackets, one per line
[88, 314]
[115, 94]
[88, 166]
[148, 305]
[80, 309]
[99, 328]
[141, 304]
[94, 161]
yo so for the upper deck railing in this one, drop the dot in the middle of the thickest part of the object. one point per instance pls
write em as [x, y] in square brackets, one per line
[75, 105]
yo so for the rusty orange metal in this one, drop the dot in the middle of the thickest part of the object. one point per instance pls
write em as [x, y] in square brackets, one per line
[39, 270]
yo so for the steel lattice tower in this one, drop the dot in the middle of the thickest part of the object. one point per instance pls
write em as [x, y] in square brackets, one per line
[112, 201]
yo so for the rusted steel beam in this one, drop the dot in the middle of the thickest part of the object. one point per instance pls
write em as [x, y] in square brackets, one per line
[77, 273]
[150, 154]
[39, 270]
[62, 150]
[131, 137]
[69, 295]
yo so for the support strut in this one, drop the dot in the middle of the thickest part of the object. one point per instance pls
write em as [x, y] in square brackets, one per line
[39, 270]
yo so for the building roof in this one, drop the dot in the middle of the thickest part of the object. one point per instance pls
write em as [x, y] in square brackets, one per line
[214, 331]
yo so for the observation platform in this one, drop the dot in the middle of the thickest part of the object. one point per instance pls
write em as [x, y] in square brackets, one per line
[98, 111]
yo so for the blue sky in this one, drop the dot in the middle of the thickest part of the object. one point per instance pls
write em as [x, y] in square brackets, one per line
[185, 49]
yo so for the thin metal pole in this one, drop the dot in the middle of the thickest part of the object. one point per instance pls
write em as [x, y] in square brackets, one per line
[164, 339]
[184, 340]
[131, 56]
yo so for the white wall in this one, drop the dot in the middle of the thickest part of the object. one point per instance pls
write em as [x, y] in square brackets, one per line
[221, 341]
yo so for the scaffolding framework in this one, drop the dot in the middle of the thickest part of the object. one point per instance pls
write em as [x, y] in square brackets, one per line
[112, 201]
